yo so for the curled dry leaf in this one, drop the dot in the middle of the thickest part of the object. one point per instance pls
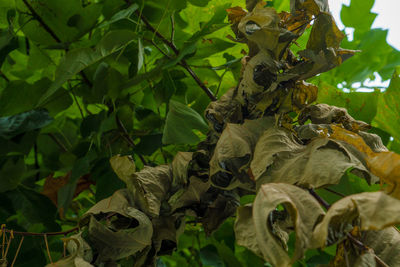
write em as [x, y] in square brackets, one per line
[179, 167]
[226, 109]
[280, 157]
[326, 114]
[371, 210]
[76, 258]
[261, 27]
[166, 232]
[223, 207]
[385, 165]
[148, 187]
[324, 33]
[116, 228]
[233, 153]
[79, 247]
[311, 6]
[123, 166]
[254, 230]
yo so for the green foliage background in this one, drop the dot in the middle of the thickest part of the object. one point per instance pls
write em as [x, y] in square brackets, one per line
[94, 84]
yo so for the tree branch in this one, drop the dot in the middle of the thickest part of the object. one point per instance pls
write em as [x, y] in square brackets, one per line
[183, 63]
[42, 234]
[41, 21]
[127, 138]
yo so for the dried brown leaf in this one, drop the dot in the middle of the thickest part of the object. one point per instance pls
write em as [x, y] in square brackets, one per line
[233, 152]
[116, 228]
[280, 157]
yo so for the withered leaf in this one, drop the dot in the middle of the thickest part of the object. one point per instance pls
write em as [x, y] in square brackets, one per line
[324, 33]
[280, 157]
[53, 185]
[123, 166]
[385, 165]
[223, 207]
[189, 195]
[369, 211]
[303, 210]
[180, 166]
[166, 232]
[261, 27]
[312, 6]
[233, 152]
[75, 259]
[326, 114]
[226, 109]
[116, 228]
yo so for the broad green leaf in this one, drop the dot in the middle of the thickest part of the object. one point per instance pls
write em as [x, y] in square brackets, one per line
[77, 60]
[214, 24]
[121, 15]
[28, 121]
[67, 19]
[361, 106]
[357, 15]
[8, 43]
[11, 173]
[388, 112]
[20, 96]
[209, 256]
[177, 132]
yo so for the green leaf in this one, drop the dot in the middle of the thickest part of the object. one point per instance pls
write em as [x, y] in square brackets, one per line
[209, 256]
[8, 43]
[358, 15]
[24, 122]
[20, 96]
[77, 60]
[388, 113]
[11, 173]
[179, 125]
[122, 14]
[214, 24]
[201, 3]
[67, 19]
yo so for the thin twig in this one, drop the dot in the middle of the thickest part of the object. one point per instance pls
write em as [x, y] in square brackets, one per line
[76, 101]
[43, 234]
[183, 63]
[319, 199]
[55, 139]
[172, 27]
[127, 138]
[37, 167]
[47, 248]
[4, 76]
[156, 46]
[41, 21]
[198, 81]
[17, 252]
[334, 192]
[346, 258]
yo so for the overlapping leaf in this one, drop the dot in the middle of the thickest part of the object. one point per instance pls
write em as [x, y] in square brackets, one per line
[280, 157]
[233, 152]
[269, 228]
[149, 187]
[116, 228]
